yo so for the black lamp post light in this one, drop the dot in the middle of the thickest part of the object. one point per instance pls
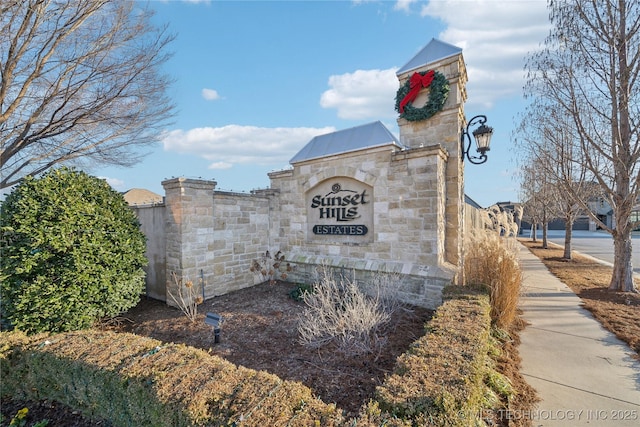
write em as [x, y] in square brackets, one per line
[482, 135]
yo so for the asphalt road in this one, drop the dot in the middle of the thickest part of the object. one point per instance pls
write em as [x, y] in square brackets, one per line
[597, 244]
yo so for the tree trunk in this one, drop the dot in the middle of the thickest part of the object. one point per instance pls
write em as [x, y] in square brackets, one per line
[534, 232]
[622, 278]
[568, 230]
[545, 226]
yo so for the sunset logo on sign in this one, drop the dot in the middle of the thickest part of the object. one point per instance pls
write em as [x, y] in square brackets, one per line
[340, 205]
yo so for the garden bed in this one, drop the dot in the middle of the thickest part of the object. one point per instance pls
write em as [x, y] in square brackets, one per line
[260, 332]
[437, 377]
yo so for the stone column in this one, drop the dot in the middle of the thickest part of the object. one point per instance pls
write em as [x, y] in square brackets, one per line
[444, 129]
[189, 230]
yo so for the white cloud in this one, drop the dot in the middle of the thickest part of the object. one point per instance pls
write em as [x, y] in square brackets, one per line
[363, 94]
[220, 165]
[235, 144]
[210, 94]
[404, 5]
[495, 37]
[115, 183]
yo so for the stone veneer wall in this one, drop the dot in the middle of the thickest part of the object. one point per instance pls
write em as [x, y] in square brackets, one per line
[246, 226]
[212, 236]
[409, 211]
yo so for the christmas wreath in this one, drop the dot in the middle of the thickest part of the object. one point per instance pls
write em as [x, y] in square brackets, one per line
[438, 93]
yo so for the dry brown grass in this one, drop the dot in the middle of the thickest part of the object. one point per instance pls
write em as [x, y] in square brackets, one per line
[619, 312]
[491, 261]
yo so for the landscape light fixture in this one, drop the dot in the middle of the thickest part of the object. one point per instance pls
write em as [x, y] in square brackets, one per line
[482, 135]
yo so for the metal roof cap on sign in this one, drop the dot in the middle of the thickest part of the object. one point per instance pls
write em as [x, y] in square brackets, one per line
[434, 51]
[343, 141]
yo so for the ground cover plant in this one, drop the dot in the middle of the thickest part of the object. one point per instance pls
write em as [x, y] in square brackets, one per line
[618, 312]
[72, 253]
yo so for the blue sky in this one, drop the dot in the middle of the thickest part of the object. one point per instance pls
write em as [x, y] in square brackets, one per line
[256, 80]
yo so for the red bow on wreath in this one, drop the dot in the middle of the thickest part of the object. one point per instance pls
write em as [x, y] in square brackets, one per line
[416, 82]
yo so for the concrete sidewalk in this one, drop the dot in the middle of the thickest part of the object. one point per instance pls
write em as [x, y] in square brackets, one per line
[584, 375]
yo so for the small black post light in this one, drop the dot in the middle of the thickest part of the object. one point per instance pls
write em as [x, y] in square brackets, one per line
[214, 320]
[482, 135]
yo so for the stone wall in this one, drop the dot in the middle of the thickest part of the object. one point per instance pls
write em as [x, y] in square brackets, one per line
[213, 236]
[409, 210]
[247, 225]
[444, 130]
[241, 235]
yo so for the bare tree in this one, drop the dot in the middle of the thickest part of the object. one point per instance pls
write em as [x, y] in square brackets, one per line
[81, 84]
[539, 199]
[589, 68]
[547, 140]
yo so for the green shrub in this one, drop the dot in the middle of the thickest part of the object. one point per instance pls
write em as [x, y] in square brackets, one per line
[72, 253]
[440, 380]
[297, 292]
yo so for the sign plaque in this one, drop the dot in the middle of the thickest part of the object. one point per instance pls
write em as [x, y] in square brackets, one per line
[340, 209]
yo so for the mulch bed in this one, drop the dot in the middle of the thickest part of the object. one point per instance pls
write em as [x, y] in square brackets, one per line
[259, 331]
[56, 414]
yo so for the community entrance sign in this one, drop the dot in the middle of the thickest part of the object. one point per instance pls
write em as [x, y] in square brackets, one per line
[359, 199]
[340, 208]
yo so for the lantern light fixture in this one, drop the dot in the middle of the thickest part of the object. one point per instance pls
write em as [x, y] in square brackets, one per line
[482, 136]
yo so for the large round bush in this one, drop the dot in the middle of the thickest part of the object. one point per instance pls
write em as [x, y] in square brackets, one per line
[72, 253]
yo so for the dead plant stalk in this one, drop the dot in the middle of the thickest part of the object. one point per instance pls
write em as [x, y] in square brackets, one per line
[186, 297]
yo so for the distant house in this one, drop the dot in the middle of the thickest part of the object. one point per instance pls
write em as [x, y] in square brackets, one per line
[602, 210]
[140, 196]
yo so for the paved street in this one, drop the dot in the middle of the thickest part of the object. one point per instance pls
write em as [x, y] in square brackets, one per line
[598, 244]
